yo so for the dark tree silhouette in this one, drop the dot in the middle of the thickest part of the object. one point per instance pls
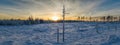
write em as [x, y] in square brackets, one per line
[31, 20]
[78, 18]
[119, 18]
[109, 18]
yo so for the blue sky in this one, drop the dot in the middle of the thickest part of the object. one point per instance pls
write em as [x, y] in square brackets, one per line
[47, 8]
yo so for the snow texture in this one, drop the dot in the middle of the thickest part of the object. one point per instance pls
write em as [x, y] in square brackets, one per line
[78, 33]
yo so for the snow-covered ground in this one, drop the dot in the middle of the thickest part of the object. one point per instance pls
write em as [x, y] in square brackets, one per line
[78, 33]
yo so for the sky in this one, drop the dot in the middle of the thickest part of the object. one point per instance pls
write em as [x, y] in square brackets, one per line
[45, 9]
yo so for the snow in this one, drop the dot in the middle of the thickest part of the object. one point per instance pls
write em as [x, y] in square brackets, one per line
[78, 33]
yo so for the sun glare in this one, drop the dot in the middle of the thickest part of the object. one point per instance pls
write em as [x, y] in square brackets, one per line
[55, 18]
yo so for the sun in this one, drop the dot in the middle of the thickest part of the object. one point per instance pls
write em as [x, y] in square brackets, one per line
[55, 18]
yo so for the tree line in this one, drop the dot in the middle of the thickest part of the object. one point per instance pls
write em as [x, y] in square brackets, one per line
[29, 21]
[100, 18]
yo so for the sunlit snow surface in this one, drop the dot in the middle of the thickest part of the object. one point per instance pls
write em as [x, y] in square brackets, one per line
[79, 33]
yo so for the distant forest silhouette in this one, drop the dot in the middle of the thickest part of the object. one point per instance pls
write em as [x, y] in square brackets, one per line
[31, 21]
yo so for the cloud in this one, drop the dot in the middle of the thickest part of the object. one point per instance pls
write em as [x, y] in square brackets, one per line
[48, 7]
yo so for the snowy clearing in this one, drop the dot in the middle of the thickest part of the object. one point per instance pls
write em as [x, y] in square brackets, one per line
[78, 33]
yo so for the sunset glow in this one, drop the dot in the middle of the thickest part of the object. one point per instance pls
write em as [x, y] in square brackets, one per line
[55, 18]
